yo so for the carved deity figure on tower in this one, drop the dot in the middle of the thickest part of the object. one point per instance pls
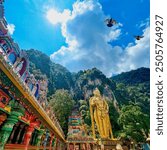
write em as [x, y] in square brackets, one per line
[19, 66]
[99, 115]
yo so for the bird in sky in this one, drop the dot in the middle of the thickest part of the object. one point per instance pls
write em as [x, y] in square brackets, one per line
[138, 37]
[110, 22]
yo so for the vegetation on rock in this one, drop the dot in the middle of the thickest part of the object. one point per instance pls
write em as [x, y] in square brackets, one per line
[127, 94]
[62, 104]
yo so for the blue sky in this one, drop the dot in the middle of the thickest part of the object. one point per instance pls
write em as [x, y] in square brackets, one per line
[73, 33]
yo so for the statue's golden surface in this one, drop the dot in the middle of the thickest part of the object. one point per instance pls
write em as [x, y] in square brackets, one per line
[99, 115]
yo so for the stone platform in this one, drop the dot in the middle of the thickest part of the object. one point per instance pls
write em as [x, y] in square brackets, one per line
[111, 144]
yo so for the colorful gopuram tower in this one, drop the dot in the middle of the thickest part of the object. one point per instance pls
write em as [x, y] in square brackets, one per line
[77, 138]
[26, 122]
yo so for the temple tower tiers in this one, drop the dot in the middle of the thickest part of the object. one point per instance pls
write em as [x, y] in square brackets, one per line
[26, 121]
[77, 137]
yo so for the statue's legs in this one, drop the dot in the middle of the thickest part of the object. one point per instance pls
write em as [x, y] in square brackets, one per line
[97, 117]
[101, 124]
[105, 127]
[96, 120]
[110, 128]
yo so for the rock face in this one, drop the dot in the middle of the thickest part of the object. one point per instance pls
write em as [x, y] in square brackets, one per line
[81, 85]
[42, 67]
[129, 88]
[86, 81]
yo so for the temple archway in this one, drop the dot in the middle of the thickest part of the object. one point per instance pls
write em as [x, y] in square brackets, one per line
[30, 85]
[4, 43]
[37, 91]
[24, 76]
[12, 57]
[23, 67]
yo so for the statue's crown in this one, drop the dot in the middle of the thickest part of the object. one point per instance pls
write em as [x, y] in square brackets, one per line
[96, 92]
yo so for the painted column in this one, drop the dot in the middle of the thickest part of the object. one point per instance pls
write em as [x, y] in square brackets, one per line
[46, 138]
[74, 146]
[50, 142]
[57, 144]
[8, 127]
[68, 146]
[95, 146]
[88, 146]
[21, 129]
[38, 139]
[13, 132]
[60, 145]
[28, 134]
[34, 136]
[54, 143]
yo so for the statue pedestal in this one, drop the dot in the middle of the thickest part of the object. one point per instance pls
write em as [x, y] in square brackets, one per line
[110, 144]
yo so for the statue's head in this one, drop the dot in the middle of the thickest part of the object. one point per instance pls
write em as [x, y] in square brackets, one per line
[96, 92]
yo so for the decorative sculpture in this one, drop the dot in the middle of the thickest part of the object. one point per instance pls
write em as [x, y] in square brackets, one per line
[19, 66]
[99, 115]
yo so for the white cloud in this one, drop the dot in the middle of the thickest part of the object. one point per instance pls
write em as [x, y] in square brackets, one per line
[143, 23]
[137, 55]
[11, 28]
[56, 17]
[113, 34]
[87, 38]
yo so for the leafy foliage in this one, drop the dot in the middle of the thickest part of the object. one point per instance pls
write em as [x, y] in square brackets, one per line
[134, 122]
[128, 94]
[85, 112]
[133, 77]
[137, 94]
[58, 76]
[133, 96]
[114, 115]
[62, 104]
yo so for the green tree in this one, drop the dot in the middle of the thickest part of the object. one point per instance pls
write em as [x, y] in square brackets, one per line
[114, 115]
[62, 103]
[137, 94]
[134, 122]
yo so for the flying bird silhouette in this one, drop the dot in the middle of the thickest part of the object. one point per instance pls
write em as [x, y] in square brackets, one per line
[110, 22]
[138, 37]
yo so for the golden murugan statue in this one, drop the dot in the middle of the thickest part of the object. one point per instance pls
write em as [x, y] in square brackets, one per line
[99, 115]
